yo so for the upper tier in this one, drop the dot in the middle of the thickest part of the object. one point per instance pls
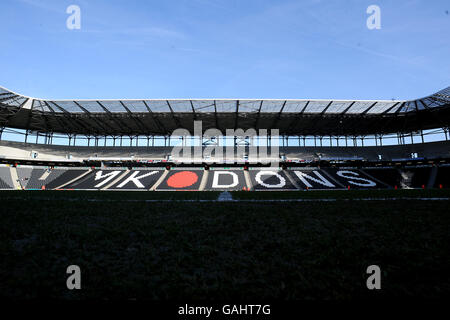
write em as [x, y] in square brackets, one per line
[162, 117]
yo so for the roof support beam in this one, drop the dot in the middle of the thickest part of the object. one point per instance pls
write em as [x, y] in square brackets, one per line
[326, 108]
[258, 115]
[177, 121]
[400, 108]
[297, 117]
[348, 108]
[216, 119]
[4, 121]
[71, 116]
[63, 124]
[320, 117]
[439, 99]
[123, 126]
[144, 128]
[6, 93]
[155, 119]
[91, 117]
[390, 108]
[193, 110]
[437, 118]
[275, 122]
[391, 118]
[8, 98]
[236, 115]
[367, 110]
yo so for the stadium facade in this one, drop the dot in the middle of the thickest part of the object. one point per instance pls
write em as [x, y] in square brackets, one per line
[128, 144]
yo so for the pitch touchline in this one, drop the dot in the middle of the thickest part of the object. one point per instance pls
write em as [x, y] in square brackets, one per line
[234, 200]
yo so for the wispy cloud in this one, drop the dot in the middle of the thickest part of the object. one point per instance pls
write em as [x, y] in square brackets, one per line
[419, 62]
[104, 28]
[41, 5]
[153, 31]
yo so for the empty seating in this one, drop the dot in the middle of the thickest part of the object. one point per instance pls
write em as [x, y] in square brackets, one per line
[443, 177]
[30, 151]
[5, 178]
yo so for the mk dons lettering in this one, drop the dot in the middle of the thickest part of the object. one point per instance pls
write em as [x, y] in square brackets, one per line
[217, 174]
[281, 184]
[353, 177]
[109, 176]
[135, 179]
[304, 178]
[228, 179]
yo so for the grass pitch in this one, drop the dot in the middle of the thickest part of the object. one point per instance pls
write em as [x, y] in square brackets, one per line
[223, 250]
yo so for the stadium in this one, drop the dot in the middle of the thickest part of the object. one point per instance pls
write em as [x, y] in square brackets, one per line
[319, 145]
[342, 179]
[217, 159]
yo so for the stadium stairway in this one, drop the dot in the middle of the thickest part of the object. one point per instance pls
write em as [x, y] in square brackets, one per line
[6, 179]
[432, 178]
[159, 181]
[248, 181]
[375, 179]
[114, 181]
[204, 180]
[15, 178]
[67, 182]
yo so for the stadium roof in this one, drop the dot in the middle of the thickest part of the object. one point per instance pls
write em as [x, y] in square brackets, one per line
[161, 117]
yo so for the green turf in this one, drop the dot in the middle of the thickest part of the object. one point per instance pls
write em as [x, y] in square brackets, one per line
[212, 195]
[107, 195]
[344, 194]
[204, 250]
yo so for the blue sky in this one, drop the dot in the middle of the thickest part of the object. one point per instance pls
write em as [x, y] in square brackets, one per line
[225, 49]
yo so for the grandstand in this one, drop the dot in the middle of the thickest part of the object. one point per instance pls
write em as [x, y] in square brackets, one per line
[128, 144]
[341, 186]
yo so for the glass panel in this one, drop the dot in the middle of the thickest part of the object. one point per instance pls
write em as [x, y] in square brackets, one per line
[409, 106]
[41, 106]
[180, 105]
[203, 106]
[338, 106]
[360, 106]
[272, 106]
[113, 106]
[249, 105]
[432, 103]
[69, 106]
[394, 109]
[14, 101]
[91, 106]
[444, 92]
[381, 107]
[135, 105]
[294, 106]
[316, 106]
[158, 105]
[420, 105]
[226, 105]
